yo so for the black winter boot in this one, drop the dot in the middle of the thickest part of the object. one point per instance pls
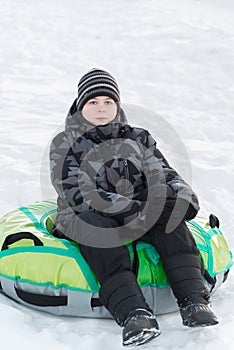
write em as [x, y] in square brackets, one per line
[195, 312]
[140, 327]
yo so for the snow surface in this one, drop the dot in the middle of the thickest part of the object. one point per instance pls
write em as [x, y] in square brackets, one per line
[173, 57]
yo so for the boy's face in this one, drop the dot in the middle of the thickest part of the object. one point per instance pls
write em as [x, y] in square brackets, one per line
[100, 110]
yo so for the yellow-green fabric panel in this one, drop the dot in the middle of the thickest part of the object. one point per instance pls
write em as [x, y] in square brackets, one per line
[49, 221]
[221, 254]
[205, 258]
[39, 209]
[44, 268]
[16, 221]
[13, 222]
[198, 236]
[203, 222]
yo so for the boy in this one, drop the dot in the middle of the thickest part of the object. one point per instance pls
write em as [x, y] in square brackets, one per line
[113, 183]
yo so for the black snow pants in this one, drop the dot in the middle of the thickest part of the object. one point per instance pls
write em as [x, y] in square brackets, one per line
[120, 292]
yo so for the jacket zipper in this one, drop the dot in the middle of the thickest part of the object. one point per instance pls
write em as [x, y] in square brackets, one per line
[126, 171]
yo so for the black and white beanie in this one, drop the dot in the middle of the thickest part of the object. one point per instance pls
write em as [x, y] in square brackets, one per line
[97, 82]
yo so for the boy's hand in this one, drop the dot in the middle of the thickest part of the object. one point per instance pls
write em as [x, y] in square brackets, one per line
[174, 212]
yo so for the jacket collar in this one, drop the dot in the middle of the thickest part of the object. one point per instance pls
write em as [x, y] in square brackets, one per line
[104, 132]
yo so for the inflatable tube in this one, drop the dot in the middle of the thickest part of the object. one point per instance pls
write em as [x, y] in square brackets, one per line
[50, 274]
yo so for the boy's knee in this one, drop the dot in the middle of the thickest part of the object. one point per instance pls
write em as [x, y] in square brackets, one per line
[94, 230]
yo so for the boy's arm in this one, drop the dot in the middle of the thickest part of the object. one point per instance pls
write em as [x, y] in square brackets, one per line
[156, 166]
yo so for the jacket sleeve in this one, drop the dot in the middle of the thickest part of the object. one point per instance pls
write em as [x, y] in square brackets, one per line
[157, 166]
[74, 184]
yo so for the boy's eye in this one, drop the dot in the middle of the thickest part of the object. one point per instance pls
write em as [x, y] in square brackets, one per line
[95, 102]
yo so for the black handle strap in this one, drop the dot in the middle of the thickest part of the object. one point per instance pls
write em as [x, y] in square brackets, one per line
[95, 302]
[213, 221]
[15, 237]
[211, 280]
[41, 299]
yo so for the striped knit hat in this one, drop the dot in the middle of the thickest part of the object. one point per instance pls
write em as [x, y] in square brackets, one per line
[96, 82]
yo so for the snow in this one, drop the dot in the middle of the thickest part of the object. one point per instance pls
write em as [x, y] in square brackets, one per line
[175, 58]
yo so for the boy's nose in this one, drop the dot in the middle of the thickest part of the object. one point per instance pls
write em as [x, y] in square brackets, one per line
[101, 107]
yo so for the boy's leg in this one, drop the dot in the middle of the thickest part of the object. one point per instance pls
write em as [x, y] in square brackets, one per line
[119, 292]
[180, 259]
[185, 270]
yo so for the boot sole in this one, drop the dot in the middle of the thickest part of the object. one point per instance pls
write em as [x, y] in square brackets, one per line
[204, 323]
[142, 338]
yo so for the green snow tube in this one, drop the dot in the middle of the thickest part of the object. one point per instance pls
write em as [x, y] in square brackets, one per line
[50, 274]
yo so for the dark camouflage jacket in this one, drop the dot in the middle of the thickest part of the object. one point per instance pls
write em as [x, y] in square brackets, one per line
[113, 169]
